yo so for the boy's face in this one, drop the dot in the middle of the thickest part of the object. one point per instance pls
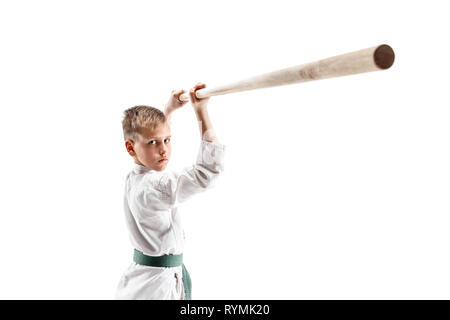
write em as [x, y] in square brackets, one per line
[152, 148]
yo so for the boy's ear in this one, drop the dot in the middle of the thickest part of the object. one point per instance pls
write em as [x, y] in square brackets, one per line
[129, 145]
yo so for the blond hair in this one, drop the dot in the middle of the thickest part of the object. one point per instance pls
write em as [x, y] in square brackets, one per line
[139, 117]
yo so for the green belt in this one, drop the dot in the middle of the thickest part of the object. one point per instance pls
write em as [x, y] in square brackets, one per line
[166, 261]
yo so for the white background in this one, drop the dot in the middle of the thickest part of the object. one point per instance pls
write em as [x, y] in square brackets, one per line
[334, 189]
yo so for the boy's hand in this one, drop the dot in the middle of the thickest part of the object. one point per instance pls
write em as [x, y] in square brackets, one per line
[198, 104]
[174, 101]
[201, 111]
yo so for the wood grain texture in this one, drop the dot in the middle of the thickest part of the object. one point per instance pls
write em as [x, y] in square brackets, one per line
[366, 60]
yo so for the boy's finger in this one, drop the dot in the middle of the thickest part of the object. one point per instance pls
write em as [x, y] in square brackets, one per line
[194, 90]
[199, 86]
[192, 94]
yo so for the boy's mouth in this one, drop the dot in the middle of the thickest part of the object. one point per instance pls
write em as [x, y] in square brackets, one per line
[162, 160]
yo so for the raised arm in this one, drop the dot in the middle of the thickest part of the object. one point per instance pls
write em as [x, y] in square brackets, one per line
[174, 103]
[207, 132]
[173, 187]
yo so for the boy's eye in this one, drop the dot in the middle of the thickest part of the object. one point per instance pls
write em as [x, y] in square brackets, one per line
[152, 142]
[166, 140]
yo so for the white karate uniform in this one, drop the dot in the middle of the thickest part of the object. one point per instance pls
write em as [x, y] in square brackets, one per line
[153, 220]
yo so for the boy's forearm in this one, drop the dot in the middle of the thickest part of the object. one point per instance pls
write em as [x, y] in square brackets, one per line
[205, 126]
[167, 112]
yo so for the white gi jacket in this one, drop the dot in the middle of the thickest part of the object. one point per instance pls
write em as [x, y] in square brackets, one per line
[153, 220]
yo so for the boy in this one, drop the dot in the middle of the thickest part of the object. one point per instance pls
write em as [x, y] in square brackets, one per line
[152, 196]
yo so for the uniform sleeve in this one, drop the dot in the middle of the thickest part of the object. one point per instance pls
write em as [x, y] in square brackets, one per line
[178, 186]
